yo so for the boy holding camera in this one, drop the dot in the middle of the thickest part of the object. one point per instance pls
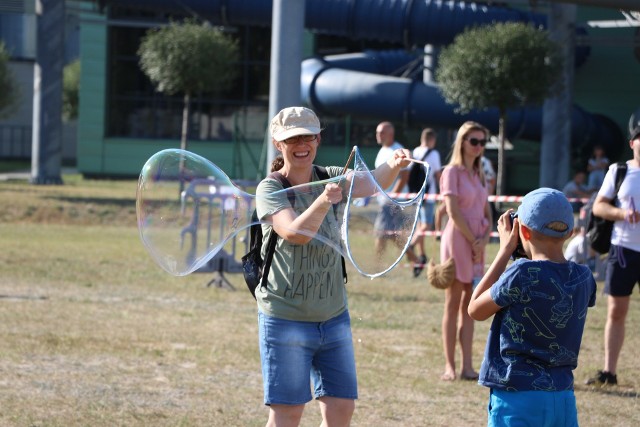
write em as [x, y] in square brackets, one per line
[540, 305]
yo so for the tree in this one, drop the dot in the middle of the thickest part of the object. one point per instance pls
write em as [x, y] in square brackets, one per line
[504, 65]
[70, 88]
[8, 85]
[188, 58]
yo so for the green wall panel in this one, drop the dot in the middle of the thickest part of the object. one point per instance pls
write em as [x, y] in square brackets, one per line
[92, 104]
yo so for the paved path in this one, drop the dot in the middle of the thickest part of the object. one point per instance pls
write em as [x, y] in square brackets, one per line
[25, 175]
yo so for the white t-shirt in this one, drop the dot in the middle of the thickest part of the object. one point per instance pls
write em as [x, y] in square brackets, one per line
[434, 163]
[383, 156]
[575, 250]
[624, 234]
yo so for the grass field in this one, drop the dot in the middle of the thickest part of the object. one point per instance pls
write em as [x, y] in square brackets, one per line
[93, 333]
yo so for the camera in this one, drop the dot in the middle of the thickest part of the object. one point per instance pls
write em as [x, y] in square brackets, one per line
[519, 252]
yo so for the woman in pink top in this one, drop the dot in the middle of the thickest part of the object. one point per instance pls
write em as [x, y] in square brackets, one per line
[464, 238]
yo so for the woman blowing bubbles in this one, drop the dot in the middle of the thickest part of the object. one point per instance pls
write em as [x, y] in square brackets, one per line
[306, 336]
[464, 238]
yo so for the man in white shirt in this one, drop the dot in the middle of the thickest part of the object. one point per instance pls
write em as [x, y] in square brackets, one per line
[387, 220]
[623, 263]
[426, 152]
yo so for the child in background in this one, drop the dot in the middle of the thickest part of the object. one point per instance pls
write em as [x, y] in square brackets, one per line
[540, 305]
[597, 167]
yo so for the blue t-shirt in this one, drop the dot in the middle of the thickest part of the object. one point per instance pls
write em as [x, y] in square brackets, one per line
[535, 337]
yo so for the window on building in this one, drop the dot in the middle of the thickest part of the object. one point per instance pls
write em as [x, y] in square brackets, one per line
[136, 110]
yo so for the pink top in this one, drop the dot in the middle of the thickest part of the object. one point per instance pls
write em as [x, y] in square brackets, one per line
[472, 198]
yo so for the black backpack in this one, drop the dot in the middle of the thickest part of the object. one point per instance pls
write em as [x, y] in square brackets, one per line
[599, 229]
[417, 175]
[254, 268]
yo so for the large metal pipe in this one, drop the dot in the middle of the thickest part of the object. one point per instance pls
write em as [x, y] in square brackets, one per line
[414, 23]
[331, 90]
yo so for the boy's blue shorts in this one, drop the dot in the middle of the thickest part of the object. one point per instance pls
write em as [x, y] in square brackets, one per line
[532, 408]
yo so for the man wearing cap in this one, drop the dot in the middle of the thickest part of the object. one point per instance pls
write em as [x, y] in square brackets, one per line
[303, 318]
[540, 303]
[623, 264]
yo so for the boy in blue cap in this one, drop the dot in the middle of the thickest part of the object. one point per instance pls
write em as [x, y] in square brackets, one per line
[540, 305]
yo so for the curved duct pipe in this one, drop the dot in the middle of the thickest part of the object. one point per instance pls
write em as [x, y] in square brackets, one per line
[331, 90]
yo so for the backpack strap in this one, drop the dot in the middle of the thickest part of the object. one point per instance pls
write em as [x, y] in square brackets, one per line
[429, 150]
[621, 172]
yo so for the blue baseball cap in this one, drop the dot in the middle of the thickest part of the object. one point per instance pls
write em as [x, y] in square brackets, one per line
[543, 207]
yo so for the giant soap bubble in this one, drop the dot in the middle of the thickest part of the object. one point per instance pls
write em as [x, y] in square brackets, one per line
[188, 210]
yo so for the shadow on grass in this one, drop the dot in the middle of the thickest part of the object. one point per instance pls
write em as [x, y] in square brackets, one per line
[101, 201]
[380, 297]
[618, 391]
[22, 297]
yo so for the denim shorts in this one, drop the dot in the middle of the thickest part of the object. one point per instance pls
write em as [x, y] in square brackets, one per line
[387, 220]
[294, 354]
[532, 408]
[622, 271]
[427, 213]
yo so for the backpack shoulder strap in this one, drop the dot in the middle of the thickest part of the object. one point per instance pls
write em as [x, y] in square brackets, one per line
[621, 172]
[429, 150]
[321, 171]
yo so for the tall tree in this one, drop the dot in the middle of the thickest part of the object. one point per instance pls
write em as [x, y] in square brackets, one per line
[503, 66]
[8, 85]
[188, 58]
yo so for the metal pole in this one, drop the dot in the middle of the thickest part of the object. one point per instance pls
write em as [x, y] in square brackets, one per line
[555, 155]
[287, 29]
[46, 157]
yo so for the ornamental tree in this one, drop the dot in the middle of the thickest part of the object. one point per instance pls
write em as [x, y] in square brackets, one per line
[503, 65]
[8, 85]
[188, 59]
[70, 89]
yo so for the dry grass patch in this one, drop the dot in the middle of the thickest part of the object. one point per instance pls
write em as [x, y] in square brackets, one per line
[95, 334]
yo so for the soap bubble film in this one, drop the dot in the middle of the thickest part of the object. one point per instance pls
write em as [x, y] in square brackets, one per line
[189, 212]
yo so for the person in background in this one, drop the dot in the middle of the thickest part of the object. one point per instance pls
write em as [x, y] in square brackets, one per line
[491, 180]
[489, 175]
[387, 220]
[623, 263]
[304, 332]
[427, 152]
[597, 167]
[576, 249]
[464, 238]
[576, 189]
[539, 308]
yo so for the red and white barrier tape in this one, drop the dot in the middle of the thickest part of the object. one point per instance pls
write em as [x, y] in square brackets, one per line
[511, 199]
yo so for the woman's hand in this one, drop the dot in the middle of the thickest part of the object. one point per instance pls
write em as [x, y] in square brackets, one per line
[508, 232]
[399, 159]
[332, 194]
[477, 249]
[632, 216]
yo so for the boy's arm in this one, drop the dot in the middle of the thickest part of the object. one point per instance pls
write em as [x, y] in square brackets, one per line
[482, 306]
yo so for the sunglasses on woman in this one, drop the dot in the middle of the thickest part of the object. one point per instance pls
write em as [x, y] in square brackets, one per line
[476, 141]
[303, 138]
